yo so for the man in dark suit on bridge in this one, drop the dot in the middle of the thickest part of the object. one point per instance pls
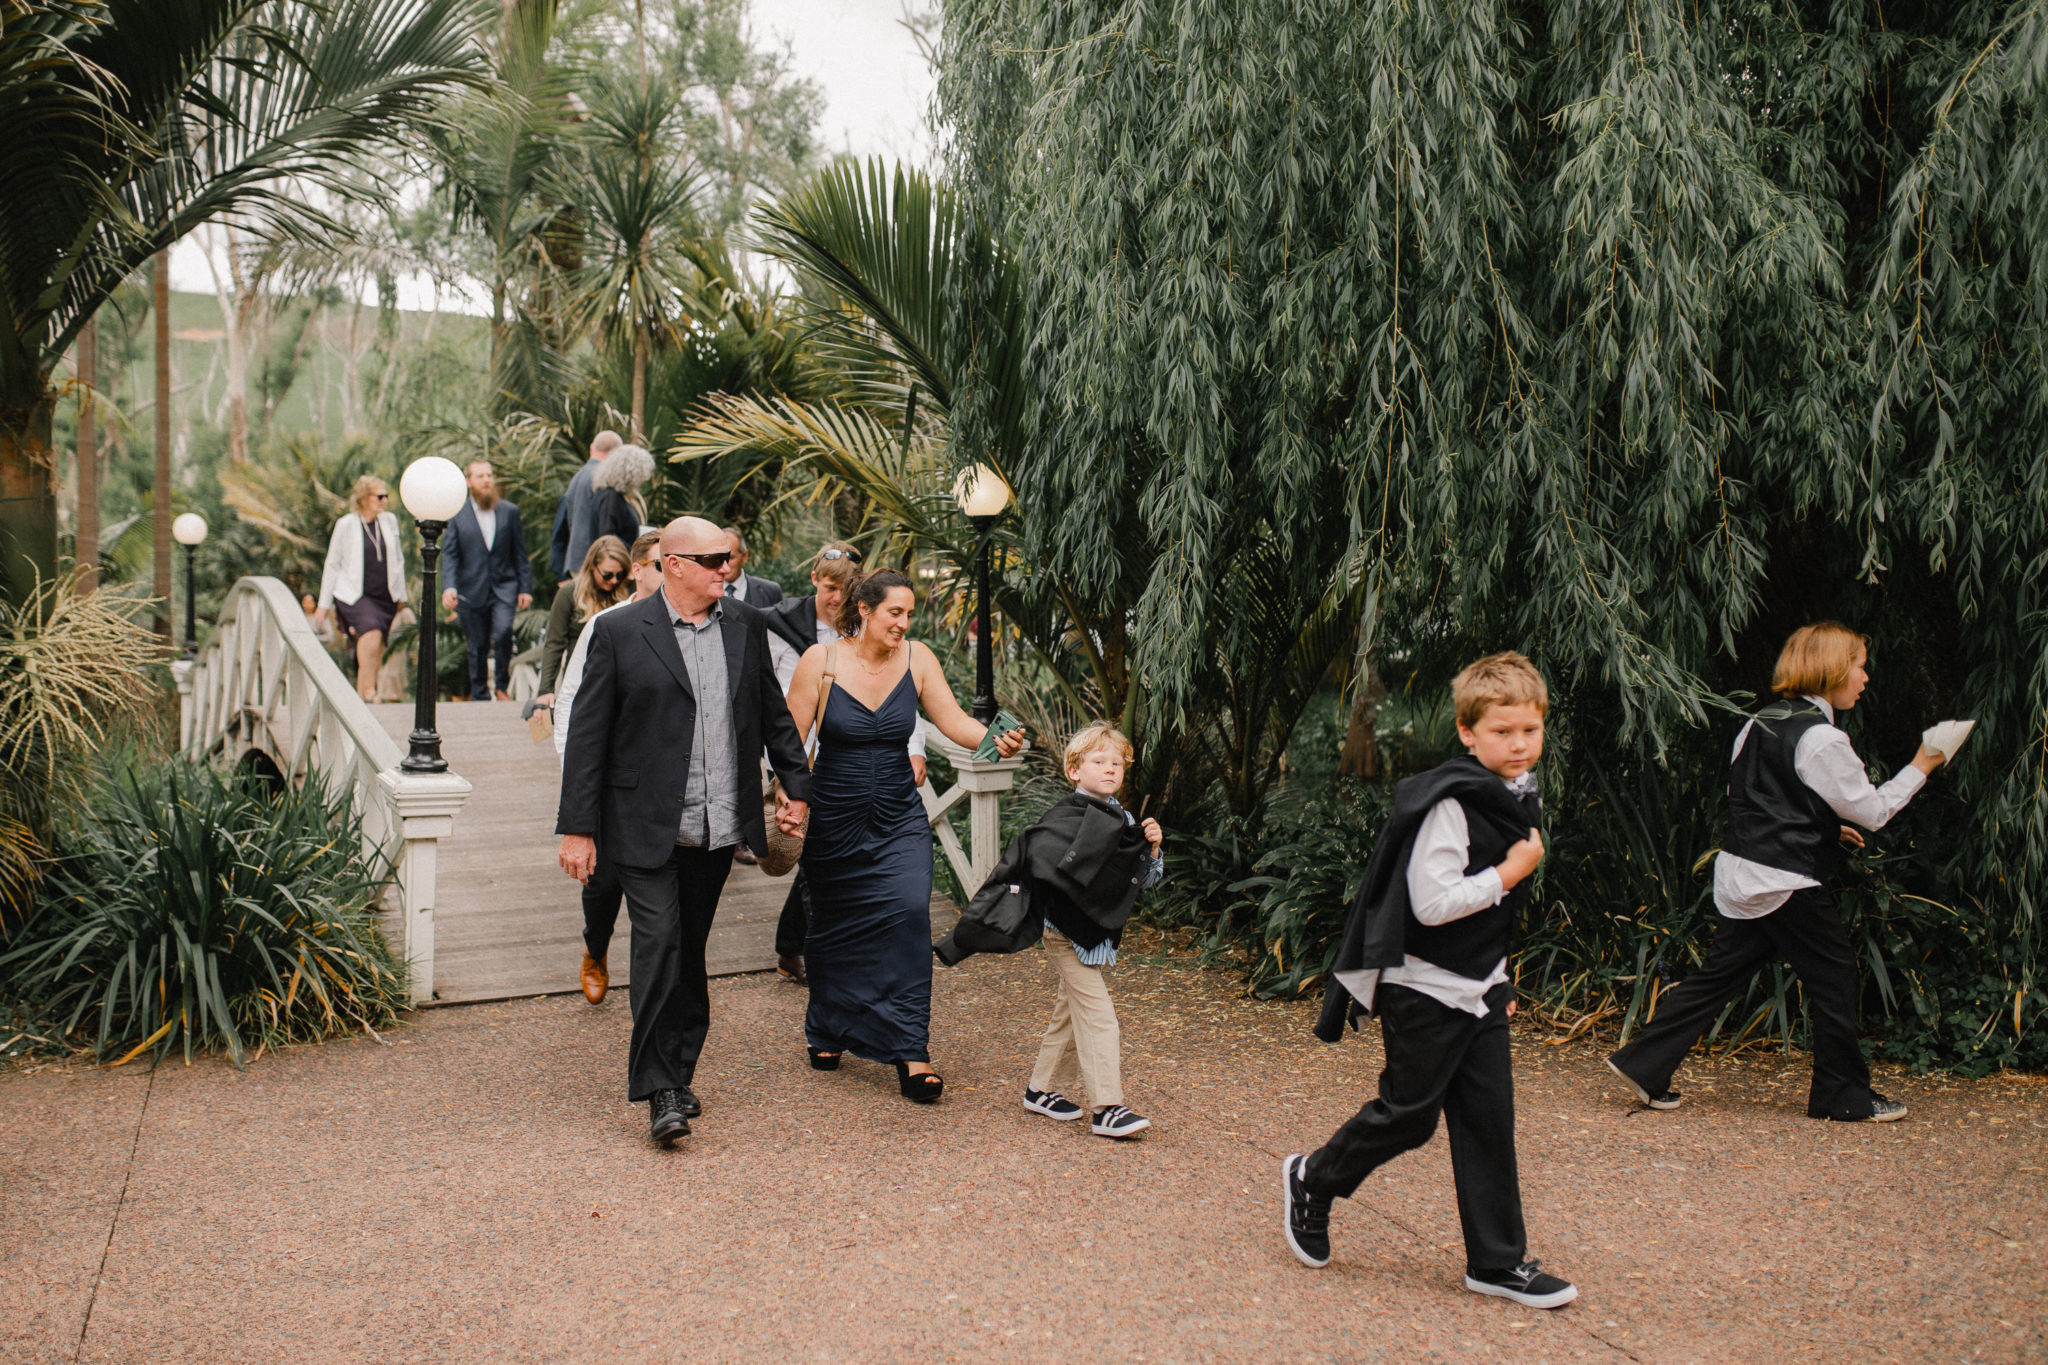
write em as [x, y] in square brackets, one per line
[662, 766]
[488, 579]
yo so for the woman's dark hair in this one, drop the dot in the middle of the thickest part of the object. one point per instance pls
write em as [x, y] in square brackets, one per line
[872, 590]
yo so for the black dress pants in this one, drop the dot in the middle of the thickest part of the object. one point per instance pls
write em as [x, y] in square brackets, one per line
[1441, 1060]
[1807, 932]
[795, 925]
[671, 908]
[600, 907]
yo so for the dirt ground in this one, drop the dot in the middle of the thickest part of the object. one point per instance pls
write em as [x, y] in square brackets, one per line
[475, 1188]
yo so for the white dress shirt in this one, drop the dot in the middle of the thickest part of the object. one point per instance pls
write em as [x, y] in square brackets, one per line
[571, 678]
[1826, 762]
[486, 522]
[1439, 892]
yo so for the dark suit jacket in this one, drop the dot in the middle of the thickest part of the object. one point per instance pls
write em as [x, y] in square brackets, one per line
[795, 619]
[572, 522]
[635, 717]
[478, 574]
[762, 593]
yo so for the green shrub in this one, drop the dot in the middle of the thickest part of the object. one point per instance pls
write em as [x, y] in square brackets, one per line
[187, 908]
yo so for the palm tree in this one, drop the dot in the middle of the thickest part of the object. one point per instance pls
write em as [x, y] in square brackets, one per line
[124, 124]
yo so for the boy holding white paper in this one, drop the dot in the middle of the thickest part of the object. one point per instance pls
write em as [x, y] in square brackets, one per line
[1795, 779]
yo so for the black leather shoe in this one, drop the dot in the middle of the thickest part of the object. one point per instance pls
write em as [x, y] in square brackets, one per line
[666, 1118]
[691, 1109]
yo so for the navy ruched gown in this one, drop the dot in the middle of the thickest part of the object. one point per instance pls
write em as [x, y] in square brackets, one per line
[868, 859]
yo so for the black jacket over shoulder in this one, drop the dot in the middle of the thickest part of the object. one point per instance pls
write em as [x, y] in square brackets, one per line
[1381, 929]
[635, 717]
[1079, 867]
[795, 619]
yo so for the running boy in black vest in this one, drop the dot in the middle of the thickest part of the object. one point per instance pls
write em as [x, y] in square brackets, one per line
[1794, 781]
[1426, 949]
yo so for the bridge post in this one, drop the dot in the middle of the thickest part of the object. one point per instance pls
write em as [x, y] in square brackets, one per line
[985, 780]
[425, 805]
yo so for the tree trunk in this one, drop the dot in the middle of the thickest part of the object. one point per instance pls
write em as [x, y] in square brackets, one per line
[162, 586]
[86, 553]
[28, 499]
[1361, 755]
[640, 384]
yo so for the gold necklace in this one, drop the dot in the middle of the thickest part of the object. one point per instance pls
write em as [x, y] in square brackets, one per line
[877, 672]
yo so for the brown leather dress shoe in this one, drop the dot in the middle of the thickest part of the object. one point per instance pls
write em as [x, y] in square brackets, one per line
[597, 978]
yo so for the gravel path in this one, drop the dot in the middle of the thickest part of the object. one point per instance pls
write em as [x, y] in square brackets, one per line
[476, 1189]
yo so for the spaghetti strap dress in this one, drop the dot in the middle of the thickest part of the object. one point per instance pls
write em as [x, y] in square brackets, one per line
[868, 861]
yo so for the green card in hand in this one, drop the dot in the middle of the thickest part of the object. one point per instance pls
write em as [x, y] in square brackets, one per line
[1001, 725]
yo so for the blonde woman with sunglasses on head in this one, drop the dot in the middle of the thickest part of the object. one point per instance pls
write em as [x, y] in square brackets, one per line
[363, 581]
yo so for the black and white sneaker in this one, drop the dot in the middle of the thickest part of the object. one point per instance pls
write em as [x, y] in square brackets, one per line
[1052, 1104]
[1115, 1121]
[1304, 1217]
[1669, 1099]
[1525, 1284]
[1883, 1110]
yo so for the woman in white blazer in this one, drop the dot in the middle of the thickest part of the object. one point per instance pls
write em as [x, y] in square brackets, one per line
[364, 581]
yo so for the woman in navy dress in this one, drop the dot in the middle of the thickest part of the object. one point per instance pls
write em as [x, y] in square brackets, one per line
[868, 855]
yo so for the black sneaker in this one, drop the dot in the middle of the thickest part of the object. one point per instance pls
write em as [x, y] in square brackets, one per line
[665, 1116]
[1051, 1104]
[1304, 1217]
[1115, 1121]
[1882, 1110]
[1668, 1099]
[1525, 1284]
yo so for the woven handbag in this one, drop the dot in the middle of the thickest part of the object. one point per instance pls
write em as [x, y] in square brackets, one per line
[785, 849]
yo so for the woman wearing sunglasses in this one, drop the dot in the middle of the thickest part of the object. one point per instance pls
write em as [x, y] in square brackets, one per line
[363, 581]
[604, 579]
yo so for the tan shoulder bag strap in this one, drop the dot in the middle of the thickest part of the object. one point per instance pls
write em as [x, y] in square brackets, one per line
[815, 735]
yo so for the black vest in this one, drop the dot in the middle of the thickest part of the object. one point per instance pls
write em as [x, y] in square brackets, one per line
[1473, 946]
[1773, 817]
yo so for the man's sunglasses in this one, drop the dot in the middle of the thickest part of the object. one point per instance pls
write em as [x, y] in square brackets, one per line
[714, 561]
[828, 556]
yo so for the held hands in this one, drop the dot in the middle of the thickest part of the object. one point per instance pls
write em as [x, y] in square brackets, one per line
[1008, 745]
[578, 856]
[790, 816]
[1153, 835]
[1521, 860]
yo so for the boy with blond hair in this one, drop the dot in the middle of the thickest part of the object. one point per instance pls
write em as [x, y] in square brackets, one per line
[1426, 948]
[1074, 876]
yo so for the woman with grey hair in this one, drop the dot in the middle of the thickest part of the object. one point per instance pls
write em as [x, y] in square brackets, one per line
[616, 486]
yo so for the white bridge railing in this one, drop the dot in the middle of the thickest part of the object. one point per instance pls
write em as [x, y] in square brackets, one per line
[980, 784]
[263, 682]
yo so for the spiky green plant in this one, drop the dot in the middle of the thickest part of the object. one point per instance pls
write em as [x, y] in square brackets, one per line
[198, 910]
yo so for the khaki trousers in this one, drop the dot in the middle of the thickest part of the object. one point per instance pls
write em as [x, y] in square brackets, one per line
[1082, 1037]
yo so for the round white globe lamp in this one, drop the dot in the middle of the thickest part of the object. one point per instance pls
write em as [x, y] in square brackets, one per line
[188, 530]
[982, 496]
[433, 490]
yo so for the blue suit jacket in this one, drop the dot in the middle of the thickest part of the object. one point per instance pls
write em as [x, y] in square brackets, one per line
[478, 574]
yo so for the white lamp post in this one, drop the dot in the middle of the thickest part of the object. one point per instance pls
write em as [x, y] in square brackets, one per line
[982, 496]
[188, 530]
[433, 490]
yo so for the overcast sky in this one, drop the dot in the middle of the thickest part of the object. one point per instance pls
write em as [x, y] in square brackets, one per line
[877, 90]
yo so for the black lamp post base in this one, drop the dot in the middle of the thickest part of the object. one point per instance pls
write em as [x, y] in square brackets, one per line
[426, 753]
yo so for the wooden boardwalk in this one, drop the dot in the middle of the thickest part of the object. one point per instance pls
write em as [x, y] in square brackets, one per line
[508, 923]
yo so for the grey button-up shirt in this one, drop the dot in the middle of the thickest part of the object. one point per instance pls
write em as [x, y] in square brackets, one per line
[711, 808]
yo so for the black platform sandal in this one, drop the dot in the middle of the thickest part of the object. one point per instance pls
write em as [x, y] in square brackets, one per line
[925, 1087]
[824, 1061]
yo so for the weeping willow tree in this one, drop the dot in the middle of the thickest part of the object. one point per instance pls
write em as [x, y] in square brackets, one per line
[1630, 334]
